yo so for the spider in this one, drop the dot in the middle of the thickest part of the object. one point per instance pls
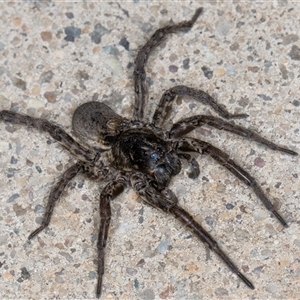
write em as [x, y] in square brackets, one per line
[143, 156]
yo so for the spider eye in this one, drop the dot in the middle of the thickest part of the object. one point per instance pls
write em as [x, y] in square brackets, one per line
[154, 155]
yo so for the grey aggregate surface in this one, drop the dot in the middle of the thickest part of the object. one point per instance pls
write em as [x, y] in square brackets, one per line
[55, 56]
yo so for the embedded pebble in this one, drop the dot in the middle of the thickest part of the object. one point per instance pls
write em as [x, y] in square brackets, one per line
[12, 198]
[131, 271]
[124, 42]
[51, 96]
[230, 70]
[46, 36]
[207, 72]
[72, 31]
[221, 292]
[271, 288]
[110, 49]
[173, 68]
[46, 77]
[36, 103]
[70, 15]
[294, 53]
[259, 162]
[258, 270]
[98, 32]
[19, 83]
[163, 246]
[186, 63]
[229, 206]
[289, 38]
[114, 65]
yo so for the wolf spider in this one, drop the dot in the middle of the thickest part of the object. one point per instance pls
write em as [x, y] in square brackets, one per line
[140, 155]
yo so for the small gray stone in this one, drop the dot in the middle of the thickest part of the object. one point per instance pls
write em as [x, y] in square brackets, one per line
[70, 15]
[98, 32]
[19, 83]
[258, 270]
[46, 77]
[173, 68]
[186, 63]
[123, 42]
[295, 53]
[72, 31]
[67, 256]
[264, 97]
[12, 198]
[131, 271]
[163, 246]
[208, 73]
[221, 292]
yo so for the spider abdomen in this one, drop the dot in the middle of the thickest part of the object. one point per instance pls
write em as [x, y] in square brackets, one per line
[97, 124]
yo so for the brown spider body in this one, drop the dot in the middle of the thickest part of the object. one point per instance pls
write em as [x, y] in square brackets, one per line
[132, 153]
[140, 149]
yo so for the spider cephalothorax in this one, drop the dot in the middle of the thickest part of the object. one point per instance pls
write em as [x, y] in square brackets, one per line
[140, 155]
[140, 149]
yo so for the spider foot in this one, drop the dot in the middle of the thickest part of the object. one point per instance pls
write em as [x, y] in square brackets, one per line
[279, 218]
[286, 150]
[37, 231]
[99, 287]
[246, 280]
[238, 116]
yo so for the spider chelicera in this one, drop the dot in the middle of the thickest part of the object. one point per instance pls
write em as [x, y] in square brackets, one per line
[132, 153]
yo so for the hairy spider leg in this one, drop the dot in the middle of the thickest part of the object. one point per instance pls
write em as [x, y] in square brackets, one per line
[80, 152]
[157, 200]
[186, 125]
[110, 191]
[189, 144]
[139, 73]
[55, 194]
[164, 107]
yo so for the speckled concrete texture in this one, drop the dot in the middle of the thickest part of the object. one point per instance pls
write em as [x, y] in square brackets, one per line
[55, 56]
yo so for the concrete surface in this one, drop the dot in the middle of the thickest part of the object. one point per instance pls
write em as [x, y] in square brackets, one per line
[55, 56]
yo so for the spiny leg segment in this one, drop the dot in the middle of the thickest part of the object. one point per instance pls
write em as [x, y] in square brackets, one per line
[157, 200]
[55, 194]
[189, 144]
[80, 152]
[110, 191]
[139, 73]
[164, 108]
[186, 125]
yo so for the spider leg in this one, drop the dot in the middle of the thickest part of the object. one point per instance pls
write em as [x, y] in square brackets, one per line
[67, 176]
[55, 131]
[142, 57]
[186, 125]
[164, 108]
[170, 195]
[223, 159]
[110, 191]
[157, 200]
